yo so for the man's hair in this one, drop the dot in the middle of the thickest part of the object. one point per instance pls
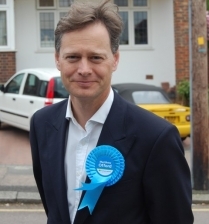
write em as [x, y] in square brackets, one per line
[81, 15]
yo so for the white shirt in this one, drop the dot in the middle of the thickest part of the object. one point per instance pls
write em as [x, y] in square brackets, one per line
[79, 143]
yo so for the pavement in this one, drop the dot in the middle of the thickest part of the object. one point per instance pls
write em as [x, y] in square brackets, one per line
[17, 184]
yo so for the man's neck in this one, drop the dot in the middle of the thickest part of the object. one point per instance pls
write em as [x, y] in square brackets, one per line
[84, 109]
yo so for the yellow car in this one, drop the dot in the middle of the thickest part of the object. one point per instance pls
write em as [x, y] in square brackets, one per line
[156, 100]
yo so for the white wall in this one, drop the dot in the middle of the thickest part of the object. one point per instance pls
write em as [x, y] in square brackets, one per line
[28, 54]
[158, 60]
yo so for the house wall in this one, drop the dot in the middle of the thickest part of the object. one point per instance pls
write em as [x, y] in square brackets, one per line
[158, 60]
[7, 65]
[7, 52]
[181, 26]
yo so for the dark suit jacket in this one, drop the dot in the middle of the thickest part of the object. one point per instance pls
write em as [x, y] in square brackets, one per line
[155, 187]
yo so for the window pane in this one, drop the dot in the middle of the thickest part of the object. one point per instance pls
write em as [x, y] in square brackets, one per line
[45, 3]
[140, 2]
[149, 97]
[3, 2]
[65, 3]
[47, 29]
[31, 85]
[3, 28]
[121, 2]
[43, 88]
[63, 14]
[124, 36]
[59, 89]
[14, 84]
[140, 27]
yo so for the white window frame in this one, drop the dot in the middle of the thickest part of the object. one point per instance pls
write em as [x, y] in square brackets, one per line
[56, 19]
[9, 9]
[46, 7]
[56, 10]
[39, 31]
[131, 9]
[55, 6]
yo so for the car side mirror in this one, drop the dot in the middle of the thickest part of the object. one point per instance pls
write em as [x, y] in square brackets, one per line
[2, 88]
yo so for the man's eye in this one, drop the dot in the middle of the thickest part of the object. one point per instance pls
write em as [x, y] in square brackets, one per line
[97, 58]
[72, 58]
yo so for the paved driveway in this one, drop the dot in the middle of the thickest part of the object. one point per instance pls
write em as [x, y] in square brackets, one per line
[14, 146]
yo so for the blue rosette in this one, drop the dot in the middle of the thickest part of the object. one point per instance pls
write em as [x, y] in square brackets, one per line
[104, 167]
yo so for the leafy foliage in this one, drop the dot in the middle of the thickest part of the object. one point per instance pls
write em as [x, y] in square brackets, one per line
[183, 89]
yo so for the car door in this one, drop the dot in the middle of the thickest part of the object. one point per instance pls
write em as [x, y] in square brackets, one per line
[33, 97]
[10, 107]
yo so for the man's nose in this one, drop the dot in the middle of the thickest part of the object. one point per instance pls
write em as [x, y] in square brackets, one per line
[84, 68]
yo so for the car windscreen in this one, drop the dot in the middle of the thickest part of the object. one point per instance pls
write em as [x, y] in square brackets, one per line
[149, 97]
[59, 89]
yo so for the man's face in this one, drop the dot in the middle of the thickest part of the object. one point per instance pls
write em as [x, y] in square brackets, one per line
[86, 62]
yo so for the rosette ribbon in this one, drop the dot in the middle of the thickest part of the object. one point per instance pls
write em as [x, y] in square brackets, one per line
[104, 166]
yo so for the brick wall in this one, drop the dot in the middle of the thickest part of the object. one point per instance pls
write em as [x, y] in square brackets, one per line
[181, 26]
[7, 65]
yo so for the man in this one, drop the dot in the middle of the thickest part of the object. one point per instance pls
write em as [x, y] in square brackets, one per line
[155, 185]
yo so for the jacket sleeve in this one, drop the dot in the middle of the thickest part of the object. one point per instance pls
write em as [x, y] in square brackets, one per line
[167, 181]
[36, 162]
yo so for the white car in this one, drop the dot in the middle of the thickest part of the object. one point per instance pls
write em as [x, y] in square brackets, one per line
[27, 91]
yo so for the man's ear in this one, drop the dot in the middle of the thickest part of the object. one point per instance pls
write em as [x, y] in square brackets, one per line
[57, 61]
[116, 60]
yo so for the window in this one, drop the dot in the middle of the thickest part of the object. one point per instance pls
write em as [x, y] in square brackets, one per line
[59, 89]
[6, 25]
[14, 84]
[3, 28]
[47, 29]
[65, 3]
[45, 4]
[3, 2]
[53, 3]
[43, 88]
[49, 13]
[149, 97]
[135, 15]
[31, 85]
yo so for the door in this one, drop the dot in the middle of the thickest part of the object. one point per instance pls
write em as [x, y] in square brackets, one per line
[10, 107]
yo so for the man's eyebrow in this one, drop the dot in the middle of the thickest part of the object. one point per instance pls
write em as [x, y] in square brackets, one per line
[101, 53]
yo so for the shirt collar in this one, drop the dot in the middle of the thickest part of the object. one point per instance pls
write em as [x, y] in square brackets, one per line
[100, 115]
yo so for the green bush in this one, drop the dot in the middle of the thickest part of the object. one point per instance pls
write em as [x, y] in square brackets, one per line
[183, 90]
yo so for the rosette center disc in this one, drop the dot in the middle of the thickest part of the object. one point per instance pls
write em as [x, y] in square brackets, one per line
[105, 165]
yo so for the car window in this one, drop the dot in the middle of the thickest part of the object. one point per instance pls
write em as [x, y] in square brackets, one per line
[14, 85]
[59, 89]
[31, 85]
[43, 88]
[149, 97]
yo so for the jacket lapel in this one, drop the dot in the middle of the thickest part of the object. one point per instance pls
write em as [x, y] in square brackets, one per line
[57, 135]
[114, 134]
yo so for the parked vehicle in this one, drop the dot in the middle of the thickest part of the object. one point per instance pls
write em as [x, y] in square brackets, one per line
[27, 91]
[31, 89]
[156, 100]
